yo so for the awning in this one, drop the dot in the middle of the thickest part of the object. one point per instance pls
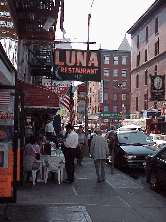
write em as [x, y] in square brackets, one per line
[37, 97]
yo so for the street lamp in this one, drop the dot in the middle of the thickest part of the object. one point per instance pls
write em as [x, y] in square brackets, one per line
[86, 89]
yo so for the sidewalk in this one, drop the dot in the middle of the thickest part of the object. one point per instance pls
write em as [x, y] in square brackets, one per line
[118, 199]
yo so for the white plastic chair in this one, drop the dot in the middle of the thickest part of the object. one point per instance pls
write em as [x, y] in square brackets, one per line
[53, 164]
[28, 163]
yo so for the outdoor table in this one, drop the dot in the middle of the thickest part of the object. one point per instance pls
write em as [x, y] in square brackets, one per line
[54, 152]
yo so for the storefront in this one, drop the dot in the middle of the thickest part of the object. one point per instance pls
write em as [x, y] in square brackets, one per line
[9, 146]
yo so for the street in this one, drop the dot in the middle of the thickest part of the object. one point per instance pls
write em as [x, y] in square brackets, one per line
[138, 174]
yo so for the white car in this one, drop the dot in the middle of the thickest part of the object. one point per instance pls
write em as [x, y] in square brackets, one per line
[157, 138]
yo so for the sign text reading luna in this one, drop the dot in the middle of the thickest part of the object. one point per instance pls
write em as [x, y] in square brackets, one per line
[86, 63]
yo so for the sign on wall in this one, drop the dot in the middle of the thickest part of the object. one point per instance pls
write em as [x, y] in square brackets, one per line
[78, 65]
[157, 87]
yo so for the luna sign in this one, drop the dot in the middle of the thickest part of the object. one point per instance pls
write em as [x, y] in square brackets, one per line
[79, 65]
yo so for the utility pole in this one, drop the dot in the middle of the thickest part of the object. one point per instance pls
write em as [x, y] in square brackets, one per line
[86, 91]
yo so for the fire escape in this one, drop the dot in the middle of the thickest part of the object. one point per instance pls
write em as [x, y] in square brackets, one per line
[29, 18]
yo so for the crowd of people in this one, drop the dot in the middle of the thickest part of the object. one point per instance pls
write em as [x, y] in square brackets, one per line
[73, 144]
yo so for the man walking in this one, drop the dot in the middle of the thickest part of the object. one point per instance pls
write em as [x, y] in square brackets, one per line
[99, 152]
[70, 143]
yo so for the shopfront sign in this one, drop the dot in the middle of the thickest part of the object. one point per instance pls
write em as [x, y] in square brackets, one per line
[79, 65]
[106, 115]
[157, 88]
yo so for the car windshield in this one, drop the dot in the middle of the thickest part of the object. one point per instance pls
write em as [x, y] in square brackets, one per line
[134, 138]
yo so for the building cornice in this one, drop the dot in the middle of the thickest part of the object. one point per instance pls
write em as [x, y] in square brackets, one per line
[115, 52]
[150, 13]
[145, 64]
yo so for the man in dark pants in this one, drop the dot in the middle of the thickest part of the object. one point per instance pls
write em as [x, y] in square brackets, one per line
[70, 143]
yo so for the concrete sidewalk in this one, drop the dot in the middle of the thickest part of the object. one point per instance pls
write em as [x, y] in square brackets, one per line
[119, 198]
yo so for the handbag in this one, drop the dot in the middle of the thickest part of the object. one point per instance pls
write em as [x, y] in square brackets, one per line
[37, 154]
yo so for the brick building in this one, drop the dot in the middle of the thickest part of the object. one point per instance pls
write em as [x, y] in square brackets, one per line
[148, 56]
[115, 75]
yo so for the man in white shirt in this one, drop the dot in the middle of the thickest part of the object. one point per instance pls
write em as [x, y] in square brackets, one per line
[49, 129]
[70, 143]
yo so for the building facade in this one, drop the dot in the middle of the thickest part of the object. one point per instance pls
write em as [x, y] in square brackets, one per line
[116, 85]
[148, 57]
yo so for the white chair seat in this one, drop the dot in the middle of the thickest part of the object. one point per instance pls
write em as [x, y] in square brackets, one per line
[53, 164]
[27, 164]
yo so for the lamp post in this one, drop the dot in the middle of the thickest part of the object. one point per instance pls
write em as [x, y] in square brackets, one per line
[86, 91]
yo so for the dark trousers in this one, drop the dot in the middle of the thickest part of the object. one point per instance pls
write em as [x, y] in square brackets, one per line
[70, 154]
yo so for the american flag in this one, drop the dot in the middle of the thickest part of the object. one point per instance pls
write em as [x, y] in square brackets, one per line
[4, 97]
[68, 102]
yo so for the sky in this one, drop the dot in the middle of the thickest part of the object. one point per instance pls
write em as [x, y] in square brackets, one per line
[109, 22]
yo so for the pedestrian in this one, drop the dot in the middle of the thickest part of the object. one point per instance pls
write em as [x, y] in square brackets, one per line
[49, 129]
[63, 131]
[99, 152]
[42, 130]
[156, 131]
[70, 143]
[33, 150]
[81, 146]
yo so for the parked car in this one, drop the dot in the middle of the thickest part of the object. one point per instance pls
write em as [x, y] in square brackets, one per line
[155, 169]
[133, 148]
[159, 140]
[129, 127]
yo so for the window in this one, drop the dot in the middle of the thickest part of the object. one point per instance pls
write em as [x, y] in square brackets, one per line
[124, 84]
[157, 47]
[115, 72]
[124, 97]
[156, 25]
[146, 77]
[106, 59]
[115, 60]
[146, 55]
[115, 109]
[155, 105]
[115, 82]
[136, 104]
[106, 83]
[106, 72]
[137, 81]
[155, 70]
[115, 96]
[137, 41]
[147, 34]
[138, 59]
[145, 101]
[124, 73]
[124, 60]
[106, 109]
[106, 95]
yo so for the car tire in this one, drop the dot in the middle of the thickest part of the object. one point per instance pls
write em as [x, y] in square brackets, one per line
[153, 180]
